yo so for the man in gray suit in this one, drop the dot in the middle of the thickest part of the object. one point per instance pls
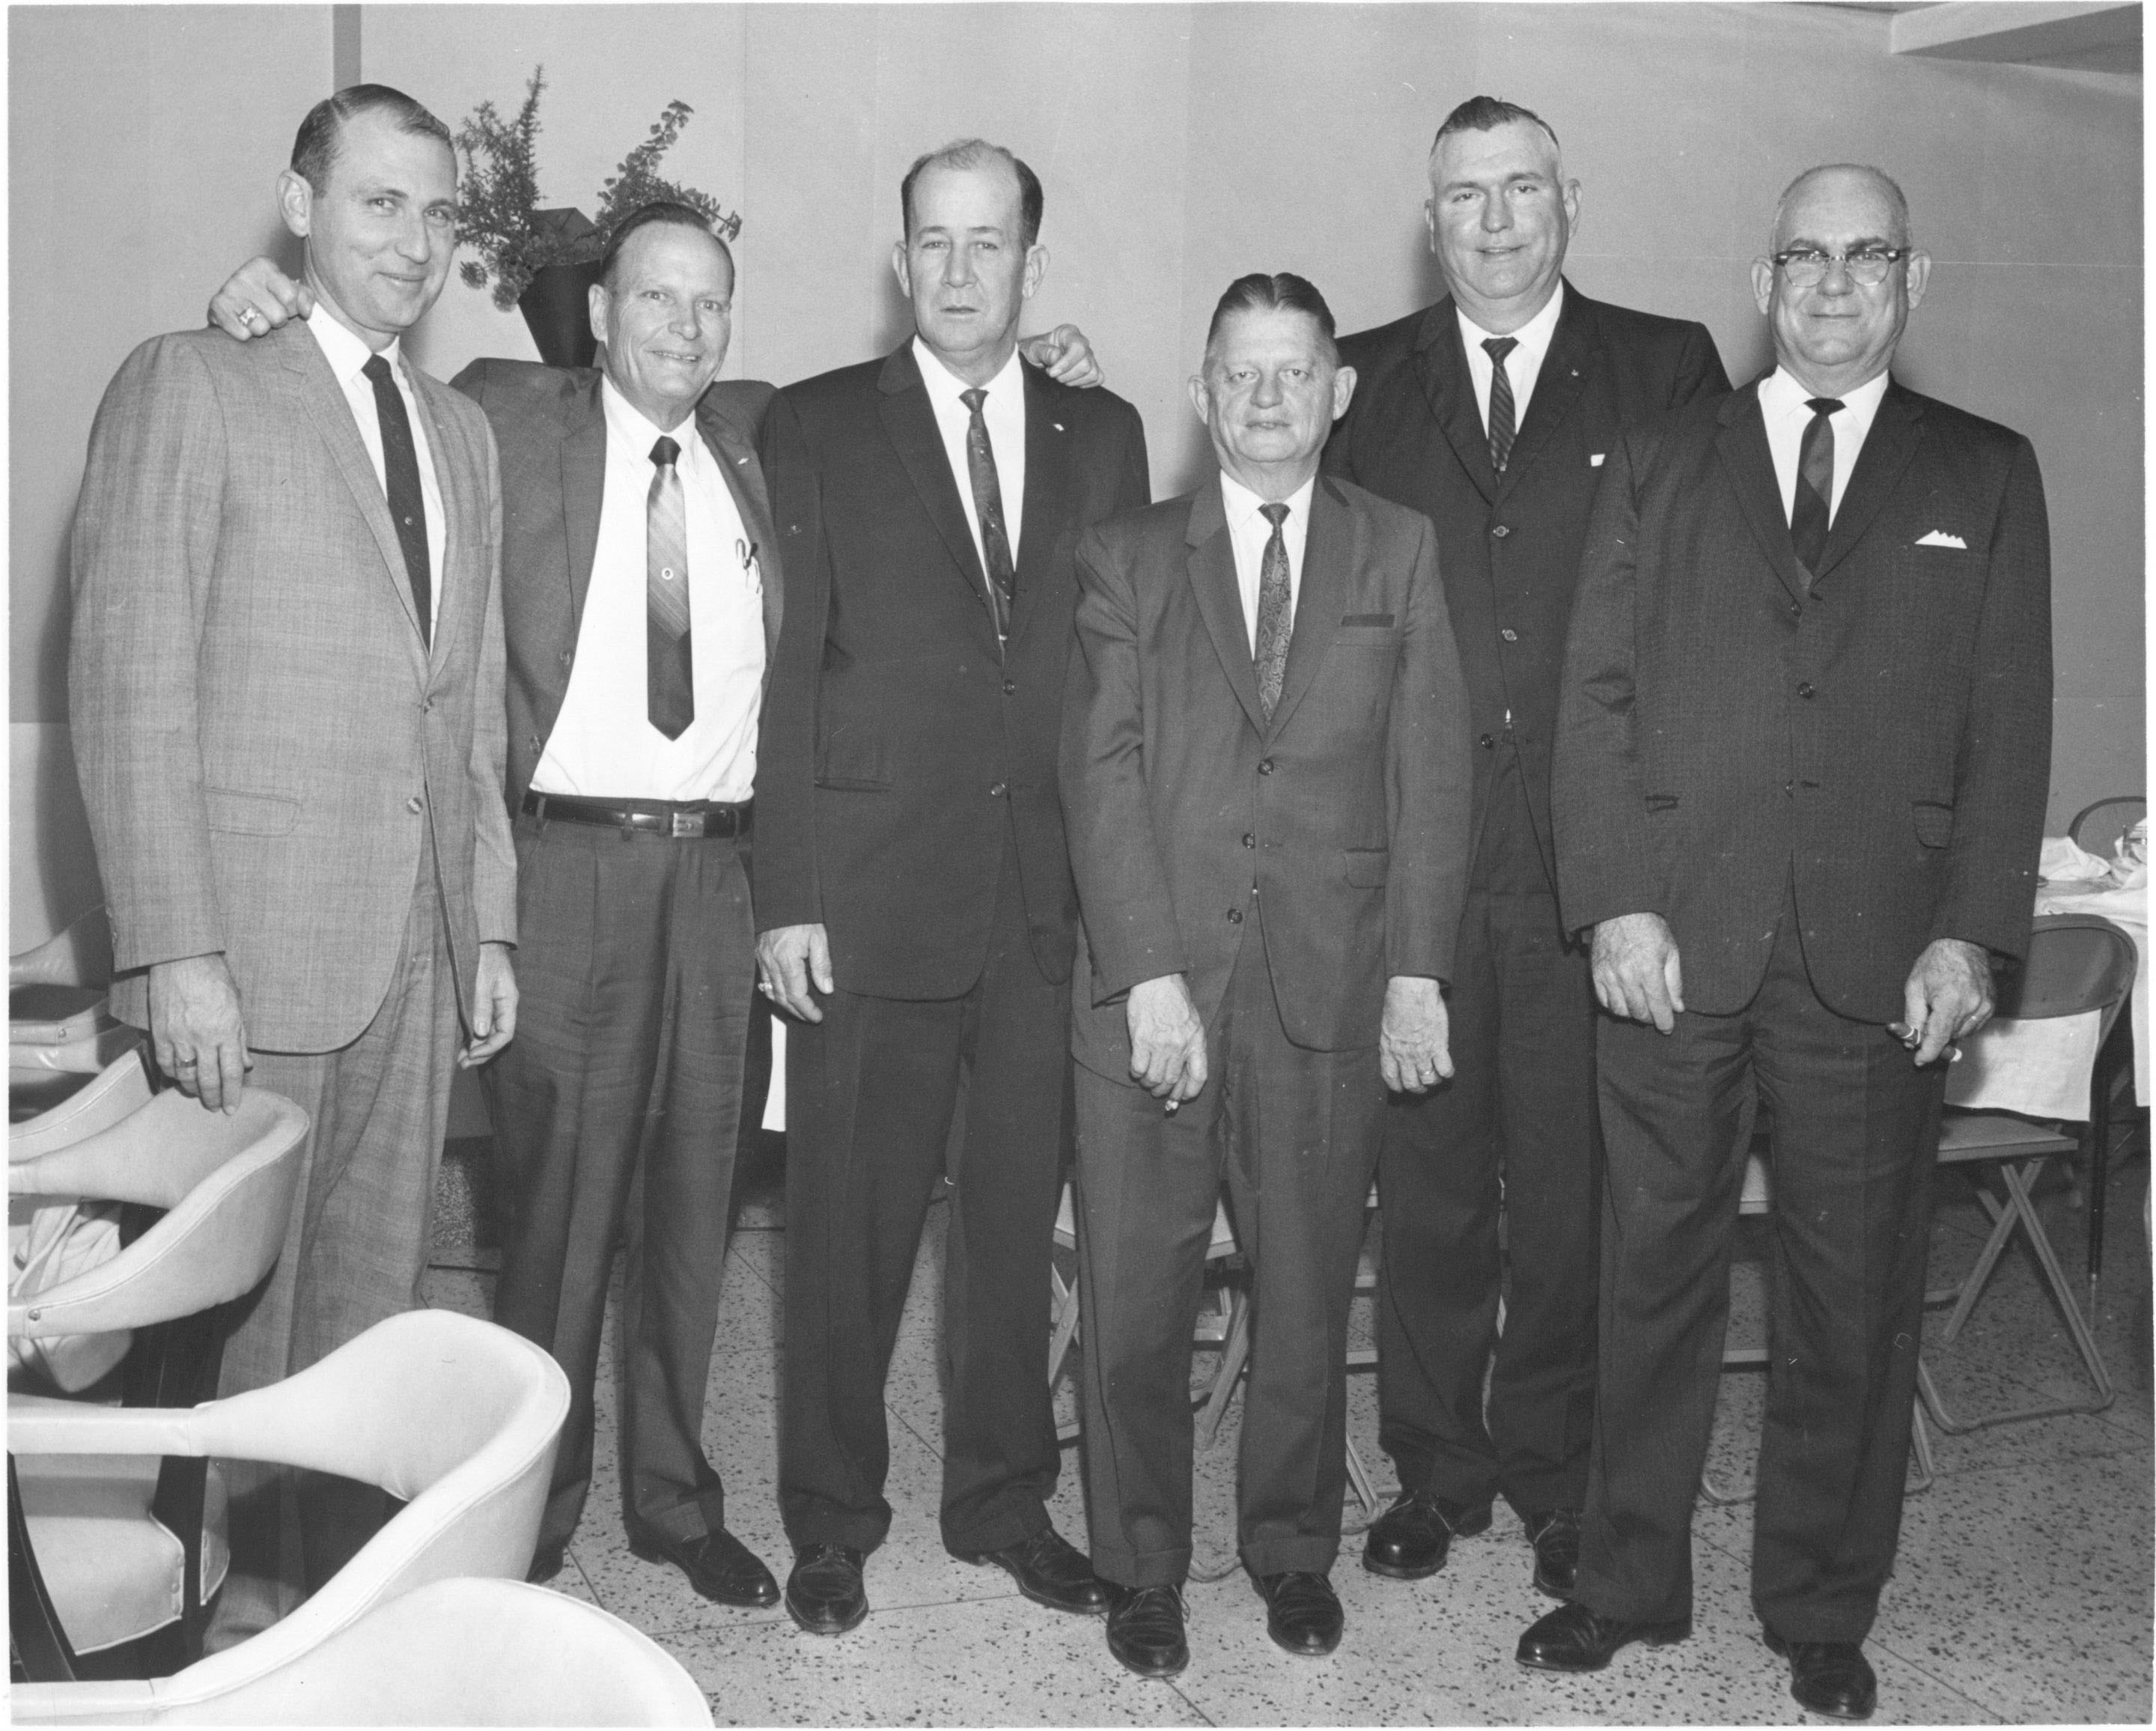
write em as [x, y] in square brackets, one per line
[286, 688]
[1266, 783]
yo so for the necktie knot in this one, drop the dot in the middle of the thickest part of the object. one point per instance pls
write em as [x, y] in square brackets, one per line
[1497, 348]
[664, 451]
[974, 398]
[1275, 514]
[376, 370]
[1823, 406]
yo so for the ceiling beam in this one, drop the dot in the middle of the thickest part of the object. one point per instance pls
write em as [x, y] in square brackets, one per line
[2016, 30]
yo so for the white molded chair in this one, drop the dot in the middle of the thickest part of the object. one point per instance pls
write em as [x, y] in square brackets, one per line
[115, 1572]
[456, 1416]
[79, 954]
[468, 1652]
[69, 1107]
[56, 998]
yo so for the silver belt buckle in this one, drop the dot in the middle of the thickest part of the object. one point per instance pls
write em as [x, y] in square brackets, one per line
[688, 824]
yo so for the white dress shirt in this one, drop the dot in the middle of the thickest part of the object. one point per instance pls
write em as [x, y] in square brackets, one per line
[1782, 403]
[1004, 412]
[1522, 367]
[603, 746]
[1249, 531]
[348, 355]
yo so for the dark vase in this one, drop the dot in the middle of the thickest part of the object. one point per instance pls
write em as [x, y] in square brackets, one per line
[557, 306]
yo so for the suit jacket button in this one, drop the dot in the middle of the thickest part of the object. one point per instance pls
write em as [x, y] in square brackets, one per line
[1009, 685]
[413, 804]
[567, 657]
[1509, 635]
[1805, 688]
[996, 792]
[426, 705]
[1500, 532]
[1264, 766]
[1235, 916]
[1487, 743]
[534, 742]
[1250, 841]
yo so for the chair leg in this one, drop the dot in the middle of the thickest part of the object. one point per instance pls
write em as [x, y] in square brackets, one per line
[1233, 1356]
[1061, 1338]
[1358, 1476]
[1920, 1442]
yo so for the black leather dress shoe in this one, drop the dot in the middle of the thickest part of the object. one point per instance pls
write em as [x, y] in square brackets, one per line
[718, 1565]
[1830, 1677]
[1555, 1536]
[1573, 1638]
[824, 1594]
[1302, 1612]
[546, 1563]
[1145, 1629]
[1050, 1570]
[1409, 1540]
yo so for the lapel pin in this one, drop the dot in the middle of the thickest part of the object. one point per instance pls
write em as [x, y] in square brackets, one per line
[1058, 425]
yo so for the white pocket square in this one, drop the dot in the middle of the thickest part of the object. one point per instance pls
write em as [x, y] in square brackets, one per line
[1595, 461]
[1939, 537]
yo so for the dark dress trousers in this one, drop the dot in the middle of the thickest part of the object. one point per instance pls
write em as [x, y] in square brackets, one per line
[1285, 867]
[906, 801]
[1809, 784]
[1517, 1120]
[617, 1106]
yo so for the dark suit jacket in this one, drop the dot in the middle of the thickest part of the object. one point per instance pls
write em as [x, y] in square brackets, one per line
[1348, 809]
[551, 427]
[1888, 738]
[1509, 548]
[893, 733]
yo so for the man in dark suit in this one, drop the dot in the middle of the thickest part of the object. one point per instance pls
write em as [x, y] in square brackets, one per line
[1799, 786]
[1490, 412]
[1265, 771]
[913, 882]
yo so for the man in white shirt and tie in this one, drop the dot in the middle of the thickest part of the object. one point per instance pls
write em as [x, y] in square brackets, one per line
[285, 686]
[1264, 773]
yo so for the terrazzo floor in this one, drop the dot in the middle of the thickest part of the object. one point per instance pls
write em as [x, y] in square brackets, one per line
[2022, 1594]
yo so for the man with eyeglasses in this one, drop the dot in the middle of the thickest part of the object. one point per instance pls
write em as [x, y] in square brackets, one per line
[1799, 783]
[1490, 412]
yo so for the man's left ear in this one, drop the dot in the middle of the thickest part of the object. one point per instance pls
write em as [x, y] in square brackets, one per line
[296, 201]
[1036, 267]
[596, 306]
[1343, 388]
[1571, 205]
[1919, 268]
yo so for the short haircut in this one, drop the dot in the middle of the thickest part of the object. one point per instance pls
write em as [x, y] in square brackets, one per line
[1284, 291]
[315, 149]
[669, 211]
[1887, 182]
[977, 153]
[1486, 114]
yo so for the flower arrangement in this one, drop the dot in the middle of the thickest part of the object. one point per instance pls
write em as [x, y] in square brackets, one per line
[512, 239]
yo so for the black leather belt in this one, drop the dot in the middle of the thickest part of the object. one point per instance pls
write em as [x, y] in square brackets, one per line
[687, 819]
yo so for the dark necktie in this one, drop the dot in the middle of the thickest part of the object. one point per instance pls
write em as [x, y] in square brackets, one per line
[670, 686]
[1809, 508]
[1276, 612]
[989, 506]
[407, 507]
[1500, 400]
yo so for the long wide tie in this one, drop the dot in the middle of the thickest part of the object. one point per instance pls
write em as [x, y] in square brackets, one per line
[407, 504]
[1276, 612]
[670, 672]
[989, 506]
[1500, 400]
[1810, 509]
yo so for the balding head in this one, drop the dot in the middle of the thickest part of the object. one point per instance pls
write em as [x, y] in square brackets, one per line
[1834, 176]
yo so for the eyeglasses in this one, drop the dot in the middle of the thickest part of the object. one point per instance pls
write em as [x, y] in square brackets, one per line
[1868, 266]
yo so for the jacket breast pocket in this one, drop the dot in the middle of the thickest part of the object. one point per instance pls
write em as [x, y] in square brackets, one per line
[1934, 821]
[232, 813]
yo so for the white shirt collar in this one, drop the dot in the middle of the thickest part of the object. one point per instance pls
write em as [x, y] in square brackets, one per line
[347, 350]
[1532, 338]
[1242, 504]
[943, 382]
[1781, 397]
[633, 432]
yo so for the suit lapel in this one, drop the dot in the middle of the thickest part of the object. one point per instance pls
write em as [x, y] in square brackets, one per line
[1326, 549]
[1742, 445]
[453, 584]
[583, 492]
[1047, 505]
[1220, 596]
[1557, 385]
[330, 410]
[1451, 391]
[1887, 449]
[909, 421]
[737, 460]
